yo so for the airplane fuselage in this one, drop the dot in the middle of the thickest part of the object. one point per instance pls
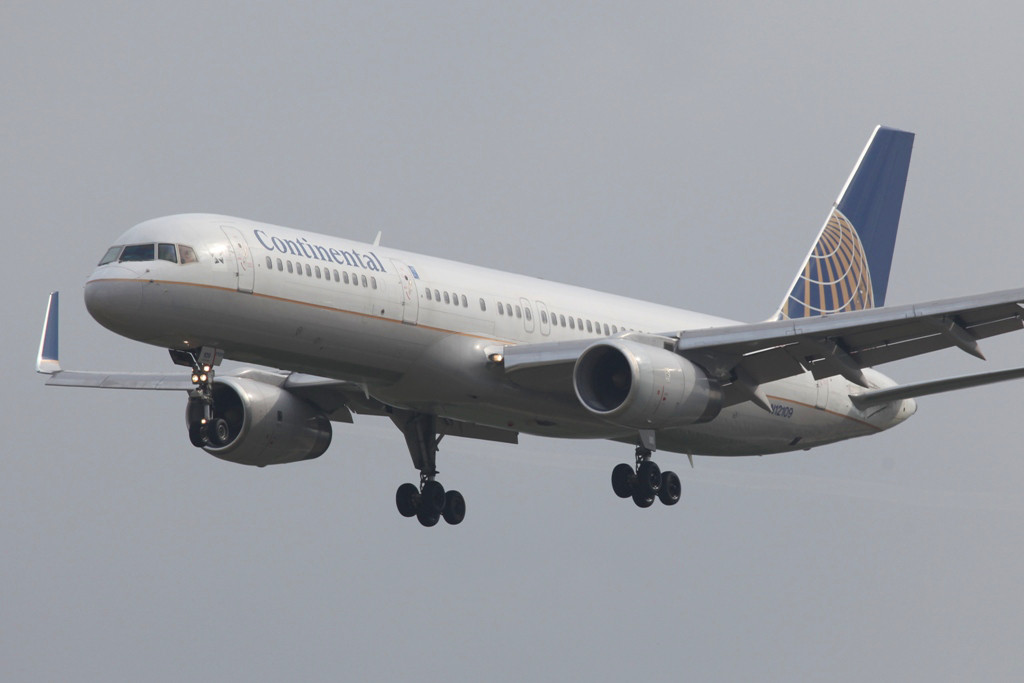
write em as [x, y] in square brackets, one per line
[416, 331]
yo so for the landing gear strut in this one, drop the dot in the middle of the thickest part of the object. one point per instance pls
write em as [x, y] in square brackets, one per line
[204, 428]
[428, 502]
[646, 481]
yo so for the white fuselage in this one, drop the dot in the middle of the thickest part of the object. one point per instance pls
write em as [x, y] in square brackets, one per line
[414, 330]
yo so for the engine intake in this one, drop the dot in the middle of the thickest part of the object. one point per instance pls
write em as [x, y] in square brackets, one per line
[262, 424]
[644, 387]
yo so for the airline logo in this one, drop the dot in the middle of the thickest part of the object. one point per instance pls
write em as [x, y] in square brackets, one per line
[835, 277]
[303, 247]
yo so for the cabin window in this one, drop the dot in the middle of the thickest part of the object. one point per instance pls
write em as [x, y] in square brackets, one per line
[572, 323]
[187, 254]
[554, 319]
[280, 266]
[606, 331]
[289, 266]
[615, 330]
[543, 316]
[529, 313]
[447, 299]
[337, 277]
[364, 281]
[270, 263]
[501, 309]
[355, 280]
[437, 296]
[465, 303]
[165, 252]
[309, 271]
[344, 275]
[589, 328]
[373, 282]
[519, 311]
[430, 296]
[110, 256]
[138, 252]
[455, 298]
[317, 271]
[483, 304]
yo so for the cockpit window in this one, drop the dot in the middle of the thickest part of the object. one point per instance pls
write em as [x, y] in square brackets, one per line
[188, 254]
[138, 252]
[165, 252]
[110, 256]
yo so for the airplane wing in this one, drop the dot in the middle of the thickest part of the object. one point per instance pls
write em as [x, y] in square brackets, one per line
[828, 345]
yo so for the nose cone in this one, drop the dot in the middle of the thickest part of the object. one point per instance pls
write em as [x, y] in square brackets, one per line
[113, 303]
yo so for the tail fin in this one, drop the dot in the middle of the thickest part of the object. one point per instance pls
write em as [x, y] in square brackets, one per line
[848, 266]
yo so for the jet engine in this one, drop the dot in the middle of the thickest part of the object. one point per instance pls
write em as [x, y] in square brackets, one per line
[255, 423]
[644, 387]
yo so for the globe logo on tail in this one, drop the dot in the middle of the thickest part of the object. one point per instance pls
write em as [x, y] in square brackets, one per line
[835, 277]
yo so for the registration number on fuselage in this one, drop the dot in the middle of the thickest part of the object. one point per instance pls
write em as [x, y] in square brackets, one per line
[781, 410]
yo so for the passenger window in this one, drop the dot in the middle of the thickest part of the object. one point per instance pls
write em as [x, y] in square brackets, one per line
[373, 282]
[501, 309]
[561, 320]
[589, 328]
[187, 254]
[317, 271]
[579, 323]
[483, 304]
[543, 316]
[437, 296]
[270, 262]
[572, 323]
[447, 299]
[364, 281]
[344, 275]
[519, 312]
[465, 303]
[615, 330]
[355, 280]
[529, 314]
[606, 331]
[289, 266]
[554, 319]
[138, 252]
[337, 277]
[165, 252]
[280, 266]
[110, 256]
[430, 295]
[455, 298]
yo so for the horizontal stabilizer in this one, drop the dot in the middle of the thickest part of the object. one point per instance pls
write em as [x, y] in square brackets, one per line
[904, 391]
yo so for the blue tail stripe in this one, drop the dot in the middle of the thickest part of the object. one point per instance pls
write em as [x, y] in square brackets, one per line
[873, 200]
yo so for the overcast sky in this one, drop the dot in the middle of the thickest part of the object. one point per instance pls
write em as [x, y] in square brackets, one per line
[684, 155]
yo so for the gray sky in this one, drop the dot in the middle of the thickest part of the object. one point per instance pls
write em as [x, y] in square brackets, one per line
[684, 155]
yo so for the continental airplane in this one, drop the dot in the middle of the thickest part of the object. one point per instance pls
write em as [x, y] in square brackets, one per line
[330, 328]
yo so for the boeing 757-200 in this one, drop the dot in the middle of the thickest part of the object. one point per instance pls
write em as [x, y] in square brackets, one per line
[444, 348]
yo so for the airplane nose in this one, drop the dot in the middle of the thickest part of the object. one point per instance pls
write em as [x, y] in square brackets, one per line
[113, 303]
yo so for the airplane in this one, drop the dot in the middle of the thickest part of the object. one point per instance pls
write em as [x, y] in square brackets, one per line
[329, 328]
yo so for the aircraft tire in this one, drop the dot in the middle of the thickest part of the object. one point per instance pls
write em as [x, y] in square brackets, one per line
[432, 498]
[671, 488]
[405, 499]
[427, 518]
[195, 434]
[648, 478]
[454, 507]
[643, 500]
[622, 480]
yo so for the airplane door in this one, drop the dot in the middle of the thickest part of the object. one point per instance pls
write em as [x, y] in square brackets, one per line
[542, 313]
[527, 314]
[245, 270]
[410, 294]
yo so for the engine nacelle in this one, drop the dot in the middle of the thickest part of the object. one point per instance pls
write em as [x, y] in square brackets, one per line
[266, 425]
[644, 387]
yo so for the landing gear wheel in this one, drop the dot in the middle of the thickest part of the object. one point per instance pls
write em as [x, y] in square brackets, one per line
[622, 480]
[406, 498]
[219, 432]
[671, 488]
[432, 499]
[648, 479]
[642, 500]
[454, 507]
[427, 518]
[195, 434]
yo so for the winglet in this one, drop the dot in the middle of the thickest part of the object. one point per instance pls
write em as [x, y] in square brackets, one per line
[47, 361]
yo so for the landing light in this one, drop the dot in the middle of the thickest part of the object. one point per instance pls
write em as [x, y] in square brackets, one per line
[195, 378]
[495, 357]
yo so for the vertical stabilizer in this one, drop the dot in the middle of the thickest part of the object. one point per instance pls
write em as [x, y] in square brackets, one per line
[847, 269]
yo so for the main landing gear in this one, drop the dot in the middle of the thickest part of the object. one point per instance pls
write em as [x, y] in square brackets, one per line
[428, 502]
[646, 481]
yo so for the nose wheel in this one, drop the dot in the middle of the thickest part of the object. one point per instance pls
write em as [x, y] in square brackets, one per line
[646, 482]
